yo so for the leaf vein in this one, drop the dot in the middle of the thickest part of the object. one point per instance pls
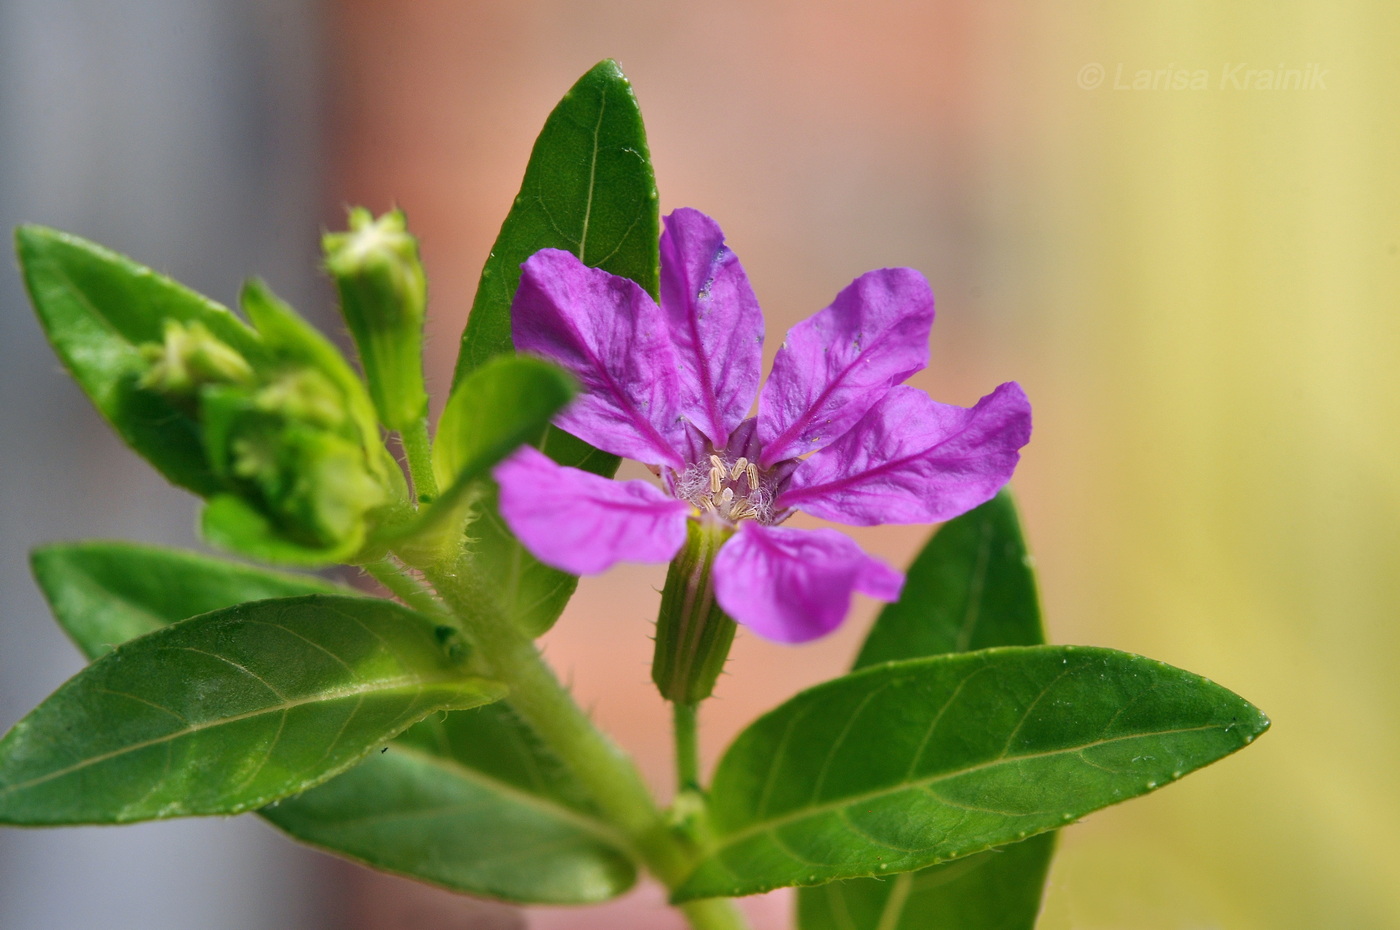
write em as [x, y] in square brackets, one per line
[760, 826]
[378, 688]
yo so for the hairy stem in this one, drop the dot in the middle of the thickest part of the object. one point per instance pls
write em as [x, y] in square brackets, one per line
[611, 778]
[418, 449]
[393, 576]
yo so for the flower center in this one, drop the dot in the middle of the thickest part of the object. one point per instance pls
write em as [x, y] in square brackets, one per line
[732, 490]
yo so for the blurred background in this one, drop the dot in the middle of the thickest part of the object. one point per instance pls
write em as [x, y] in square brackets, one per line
[1187, 255]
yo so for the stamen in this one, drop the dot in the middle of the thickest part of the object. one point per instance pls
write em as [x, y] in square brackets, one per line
[716, 474]
[727, 497]
[738, 468]
[753, 476]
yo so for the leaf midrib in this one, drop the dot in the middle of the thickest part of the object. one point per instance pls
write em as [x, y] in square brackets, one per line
[815, 810]
[386, 690]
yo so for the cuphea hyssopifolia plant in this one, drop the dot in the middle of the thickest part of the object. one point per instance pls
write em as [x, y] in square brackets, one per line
[422, 733]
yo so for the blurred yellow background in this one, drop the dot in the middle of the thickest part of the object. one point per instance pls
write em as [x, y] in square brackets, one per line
[1187, 255]
[1197, 285]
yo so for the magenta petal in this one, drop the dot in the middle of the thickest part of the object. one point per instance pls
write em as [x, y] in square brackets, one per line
[612, 337]
[835, 365]
[913, 460]
[583, 524]
[791, 585]
[715, 322]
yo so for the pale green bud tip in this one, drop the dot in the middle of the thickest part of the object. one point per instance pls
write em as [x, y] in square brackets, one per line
[381, 253]
[383, 295]
[190, 357]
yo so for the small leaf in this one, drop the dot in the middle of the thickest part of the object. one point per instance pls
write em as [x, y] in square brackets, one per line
[970, 588]
[105, 593]
[994, 890]
[472, 802]
[910, 763]
[96, 308]
[588, 189]
[228, 711]
[493, 411]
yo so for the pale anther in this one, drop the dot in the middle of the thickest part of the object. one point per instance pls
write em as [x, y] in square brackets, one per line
[738, 468]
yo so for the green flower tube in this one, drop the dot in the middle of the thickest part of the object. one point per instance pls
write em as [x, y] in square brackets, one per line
[383, 296]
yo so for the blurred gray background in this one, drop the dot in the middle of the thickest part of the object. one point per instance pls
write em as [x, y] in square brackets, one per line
[184, 134]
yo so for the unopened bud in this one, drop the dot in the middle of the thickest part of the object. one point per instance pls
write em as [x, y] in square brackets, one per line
[190, 357]
[383, 295]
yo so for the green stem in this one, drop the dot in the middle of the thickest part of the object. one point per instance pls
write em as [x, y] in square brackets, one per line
[714, 914]
[609, 775]
[418, 449]
[403, 586]
[684, 716]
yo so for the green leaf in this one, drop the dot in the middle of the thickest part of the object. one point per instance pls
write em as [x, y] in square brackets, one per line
[588, 189]
[494, 411]
[230, 710]
[97, 307]
[906, 764]
[473, 802]
[994, 890]
[461, 799]
[105, 593]
[970, 588]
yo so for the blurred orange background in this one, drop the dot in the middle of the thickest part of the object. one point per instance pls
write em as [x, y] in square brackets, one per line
[1197, 286]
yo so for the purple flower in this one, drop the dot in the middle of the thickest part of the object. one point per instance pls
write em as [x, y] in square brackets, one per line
[836, 434]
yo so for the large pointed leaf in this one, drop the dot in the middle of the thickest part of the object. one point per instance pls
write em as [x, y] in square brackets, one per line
[970, 588]
[907, 764]
[96, 307]
[230, 710]
[474, 802]
[105, 593]
[588, 189]
[464, 799]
